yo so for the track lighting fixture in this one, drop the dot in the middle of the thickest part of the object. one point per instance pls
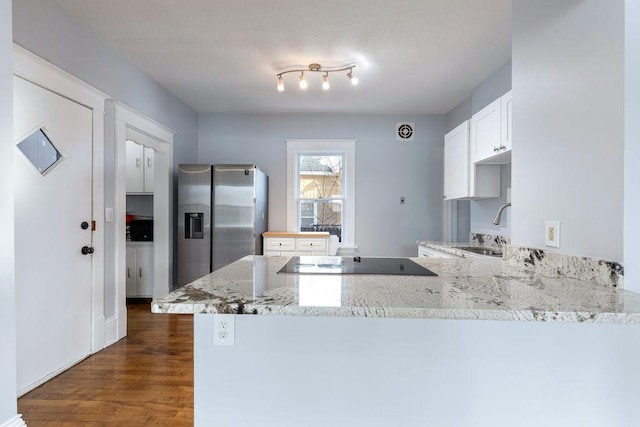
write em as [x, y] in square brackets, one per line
[317, 68]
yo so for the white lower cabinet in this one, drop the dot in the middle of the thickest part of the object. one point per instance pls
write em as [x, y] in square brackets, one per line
[139, 269]
[425, 252]
[311, 247]
[295, 244]
[284, 246]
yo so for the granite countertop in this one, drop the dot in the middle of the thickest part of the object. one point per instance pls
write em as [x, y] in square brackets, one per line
[454, 248]
[307, 234]
[476, 288]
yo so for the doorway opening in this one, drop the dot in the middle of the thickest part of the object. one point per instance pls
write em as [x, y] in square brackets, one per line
[143, 202]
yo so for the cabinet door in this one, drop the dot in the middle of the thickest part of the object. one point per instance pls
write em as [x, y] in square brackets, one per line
[134, 167]
[131, 272]
[148, 169]
[485, 132]
[506, 120]
[280, 244]
[144, 261]
[456, 162]
[311, 246]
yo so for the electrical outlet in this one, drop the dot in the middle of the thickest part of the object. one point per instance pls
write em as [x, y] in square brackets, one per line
[224, 329]
[552, 234]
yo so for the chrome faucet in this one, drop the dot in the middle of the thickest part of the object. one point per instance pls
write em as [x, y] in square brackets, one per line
[496, 220]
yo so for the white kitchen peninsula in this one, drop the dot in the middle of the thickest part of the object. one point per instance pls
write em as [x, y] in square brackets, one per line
[482, 344]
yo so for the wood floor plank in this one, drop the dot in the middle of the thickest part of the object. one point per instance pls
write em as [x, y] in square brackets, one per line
[145, 378]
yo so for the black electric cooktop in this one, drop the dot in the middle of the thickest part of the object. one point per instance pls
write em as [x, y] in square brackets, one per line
[354, 265]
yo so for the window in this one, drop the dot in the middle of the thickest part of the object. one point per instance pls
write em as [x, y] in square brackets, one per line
[40, 151]
[320, 197]
[320, 183]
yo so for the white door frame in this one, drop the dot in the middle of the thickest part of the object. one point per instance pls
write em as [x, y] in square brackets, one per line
[127, 117]
[42, 73]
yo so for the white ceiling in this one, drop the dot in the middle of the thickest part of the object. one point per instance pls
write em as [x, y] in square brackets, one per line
[412, 56]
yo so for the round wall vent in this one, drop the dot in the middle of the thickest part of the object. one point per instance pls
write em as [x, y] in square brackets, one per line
[405, 131]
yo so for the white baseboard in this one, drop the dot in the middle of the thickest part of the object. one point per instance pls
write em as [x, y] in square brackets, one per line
[26, 389]
[122, 322]
[98, 337]
[111, 332]
[15, 421]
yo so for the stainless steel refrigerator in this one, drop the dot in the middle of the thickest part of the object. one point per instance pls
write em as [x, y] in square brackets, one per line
[222, 213]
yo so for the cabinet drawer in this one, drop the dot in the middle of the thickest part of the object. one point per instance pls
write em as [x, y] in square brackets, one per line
[311, 244]
[280, 244]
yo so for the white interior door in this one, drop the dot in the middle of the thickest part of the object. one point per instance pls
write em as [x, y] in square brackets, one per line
[53, 276]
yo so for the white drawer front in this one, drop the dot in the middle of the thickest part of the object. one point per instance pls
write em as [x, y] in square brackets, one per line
[284, 244]
[312, 244]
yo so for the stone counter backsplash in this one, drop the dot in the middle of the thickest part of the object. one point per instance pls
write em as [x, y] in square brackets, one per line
[602, 272]
[488, 240]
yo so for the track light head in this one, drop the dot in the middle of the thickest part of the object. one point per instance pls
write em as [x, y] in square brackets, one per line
[354, 79]
[280, 83]
[303, 81]
[325, 81]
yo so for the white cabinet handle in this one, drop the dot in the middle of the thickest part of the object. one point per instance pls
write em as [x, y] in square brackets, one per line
[148, 162]
[137, 162]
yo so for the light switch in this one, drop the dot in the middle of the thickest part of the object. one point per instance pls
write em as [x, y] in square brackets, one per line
[108, 214]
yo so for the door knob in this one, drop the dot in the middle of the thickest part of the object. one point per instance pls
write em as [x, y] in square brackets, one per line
[84, 225]
[86, 250]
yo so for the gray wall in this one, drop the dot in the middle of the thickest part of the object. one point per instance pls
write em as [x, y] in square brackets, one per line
[632, 146]
[7, 270]
[46, 29]
[494, 86]
[476, 216]
[459, 114]
[568, 121]
[385, 169]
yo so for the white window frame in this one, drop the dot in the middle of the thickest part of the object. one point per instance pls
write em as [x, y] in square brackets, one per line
[345, 147]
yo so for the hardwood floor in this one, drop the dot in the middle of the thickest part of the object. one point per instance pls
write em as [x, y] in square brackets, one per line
[145, 378]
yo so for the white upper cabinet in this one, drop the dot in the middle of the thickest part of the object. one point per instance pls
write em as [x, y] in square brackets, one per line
[506, 121]
[491, 132]
[139, 168]
[148, 169]
[462, 178]
[456, 162]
